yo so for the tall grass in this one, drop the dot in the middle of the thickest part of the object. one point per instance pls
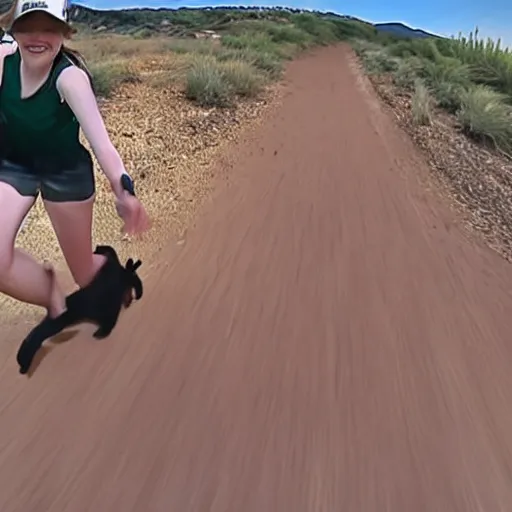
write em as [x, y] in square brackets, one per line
[109, 74]
[207, 85]
[486, 117]
[421, 106]
[467, 76]
[485, 60]
[214, 83]
[490, 64]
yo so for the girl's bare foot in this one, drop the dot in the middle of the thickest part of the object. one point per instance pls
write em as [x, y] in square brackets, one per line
[57, 299]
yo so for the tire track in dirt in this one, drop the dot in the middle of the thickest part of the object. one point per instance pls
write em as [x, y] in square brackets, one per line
[325, 340]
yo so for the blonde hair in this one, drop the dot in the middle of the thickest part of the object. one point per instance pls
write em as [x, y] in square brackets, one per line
[7, 21]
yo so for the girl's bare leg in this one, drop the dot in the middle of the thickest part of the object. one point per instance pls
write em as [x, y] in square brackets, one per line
[21, 277]
[72, 222]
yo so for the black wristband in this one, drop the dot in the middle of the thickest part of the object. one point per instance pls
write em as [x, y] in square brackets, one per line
[127, 184]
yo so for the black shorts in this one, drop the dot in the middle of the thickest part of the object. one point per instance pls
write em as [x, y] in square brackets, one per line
[57, 183]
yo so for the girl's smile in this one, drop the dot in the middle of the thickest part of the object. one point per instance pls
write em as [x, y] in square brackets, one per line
[39, 37]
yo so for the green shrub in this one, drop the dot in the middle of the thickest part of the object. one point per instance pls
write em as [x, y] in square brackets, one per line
[108, 75]
[401, 49]
[445, 69]
[421, 105]
[243, 77]
[267, 62]
[260, 42]
[348, 29]
[485, 116]
[448, 95]
[497, 73]
[214, 83]
[289, 34]
[143, 33]
[423, 48]
[489, 63]
[206, 83]
[361, 46]
[323, 31]
[379, 61]
[407, 72]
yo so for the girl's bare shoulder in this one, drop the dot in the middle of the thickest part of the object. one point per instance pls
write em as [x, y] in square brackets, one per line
[7, 47]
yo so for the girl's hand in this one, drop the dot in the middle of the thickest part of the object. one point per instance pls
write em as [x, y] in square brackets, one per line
[133, 213]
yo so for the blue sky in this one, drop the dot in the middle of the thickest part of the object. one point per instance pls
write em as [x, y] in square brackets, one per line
[445, 17]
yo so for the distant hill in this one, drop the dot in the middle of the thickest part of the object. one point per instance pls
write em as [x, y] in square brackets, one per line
[401, 30]
[176, 22]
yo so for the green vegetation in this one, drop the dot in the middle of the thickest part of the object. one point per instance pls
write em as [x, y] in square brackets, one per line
[486, 117]
[108, 75]
[252, 54]
[184, 21]
[251, 48]
[421, 105]
[468, 77]
[213, 83]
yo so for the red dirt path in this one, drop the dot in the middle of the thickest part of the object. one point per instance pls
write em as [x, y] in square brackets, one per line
[326, 341]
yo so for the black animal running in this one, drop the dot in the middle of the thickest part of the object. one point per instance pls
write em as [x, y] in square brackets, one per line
[99, 302]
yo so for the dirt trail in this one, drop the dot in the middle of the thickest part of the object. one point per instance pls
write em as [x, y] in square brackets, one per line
[326, 340]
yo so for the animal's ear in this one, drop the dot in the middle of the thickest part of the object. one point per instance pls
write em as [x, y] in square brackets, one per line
[131, 266]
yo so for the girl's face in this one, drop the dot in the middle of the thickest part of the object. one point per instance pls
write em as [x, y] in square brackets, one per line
[39, 37]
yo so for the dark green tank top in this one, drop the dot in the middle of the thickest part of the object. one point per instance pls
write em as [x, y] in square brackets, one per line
[41, 127]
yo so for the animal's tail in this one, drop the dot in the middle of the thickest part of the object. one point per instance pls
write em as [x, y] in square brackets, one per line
[38, 335]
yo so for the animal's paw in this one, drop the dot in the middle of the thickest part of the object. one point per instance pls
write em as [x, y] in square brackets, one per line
[33, 342]
[27, 352]
[25, 367]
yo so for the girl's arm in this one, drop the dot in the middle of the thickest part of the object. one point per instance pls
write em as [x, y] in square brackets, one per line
[75, 89]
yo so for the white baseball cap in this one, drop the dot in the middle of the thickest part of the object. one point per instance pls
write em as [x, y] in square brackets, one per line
[58, 9]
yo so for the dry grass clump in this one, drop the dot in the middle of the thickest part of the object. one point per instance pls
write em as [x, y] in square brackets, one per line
[214, 83]
[207, 85]
[486, 116]
[110, 74]
[421, 104]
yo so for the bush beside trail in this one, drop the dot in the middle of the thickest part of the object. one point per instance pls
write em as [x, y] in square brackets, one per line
[468, 77]
[453, 97]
